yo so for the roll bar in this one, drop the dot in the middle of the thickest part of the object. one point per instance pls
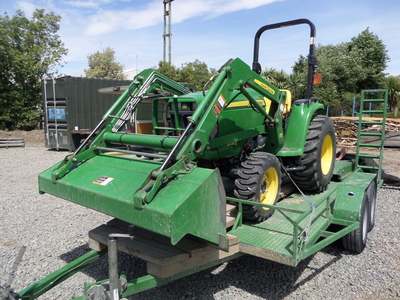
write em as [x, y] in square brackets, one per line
[312, 61]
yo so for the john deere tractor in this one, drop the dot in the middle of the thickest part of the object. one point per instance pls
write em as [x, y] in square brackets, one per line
[236, 137]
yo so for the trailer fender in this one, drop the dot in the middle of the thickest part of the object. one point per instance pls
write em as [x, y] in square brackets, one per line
[296, 132]
[350, 195]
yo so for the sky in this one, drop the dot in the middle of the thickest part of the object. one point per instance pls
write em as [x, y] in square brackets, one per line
[211, 31]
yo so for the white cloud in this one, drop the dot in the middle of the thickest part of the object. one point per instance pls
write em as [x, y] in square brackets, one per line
[83, 4]
[105, 21]
[27, 7]
[89, 3]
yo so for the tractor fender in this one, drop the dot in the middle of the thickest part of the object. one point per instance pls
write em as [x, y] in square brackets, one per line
[296, 132]
[350, 195]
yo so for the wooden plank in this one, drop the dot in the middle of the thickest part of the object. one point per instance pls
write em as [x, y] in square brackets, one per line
[231, 213]
[203, 256]
[139, 246]
[163, 259]
[95, 245]
[187, 245]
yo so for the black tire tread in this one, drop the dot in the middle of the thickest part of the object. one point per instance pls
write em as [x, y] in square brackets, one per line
[353, 241]
[371, 194]
[247, 183]
[309, 179]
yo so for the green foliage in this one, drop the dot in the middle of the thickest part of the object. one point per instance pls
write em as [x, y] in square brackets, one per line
[29, 49]
[276, 78]
[103, 65]
[374, 59]
[347, 68]
[168, 70]
[195, 72]
[294, 82]
[393, 85]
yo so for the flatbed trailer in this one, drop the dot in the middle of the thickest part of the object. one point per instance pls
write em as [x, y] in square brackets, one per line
[300, 226]
[174, 206]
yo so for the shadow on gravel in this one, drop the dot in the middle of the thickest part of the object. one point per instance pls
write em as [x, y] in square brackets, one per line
[256, 276]
[98, 270]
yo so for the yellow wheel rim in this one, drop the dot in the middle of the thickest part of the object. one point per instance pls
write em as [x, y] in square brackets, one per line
[269, 187]
[327, 154]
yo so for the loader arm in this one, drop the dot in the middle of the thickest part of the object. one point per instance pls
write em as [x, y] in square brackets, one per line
[195, 140]
[161, 194]
[235, 77]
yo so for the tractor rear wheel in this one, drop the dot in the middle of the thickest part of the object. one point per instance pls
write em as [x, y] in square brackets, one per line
[259, 180]
[356, 240]
[318, 158]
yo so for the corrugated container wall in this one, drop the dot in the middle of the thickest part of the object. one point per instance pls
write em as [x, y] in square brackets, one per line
[73, 106]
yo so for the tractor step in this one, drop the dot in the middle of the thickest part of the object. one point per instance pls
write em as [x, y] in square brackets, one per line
[163, 259]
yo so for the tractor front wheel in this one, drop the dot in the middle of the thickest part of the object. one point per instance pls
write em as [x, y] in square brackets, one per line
[319, 155]
[259, 180]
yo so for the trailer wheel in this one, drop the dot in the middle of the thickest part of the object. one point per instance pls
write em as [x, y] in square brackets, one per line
[259, 180]
[356, 240]
[371, 194]
[318, 158]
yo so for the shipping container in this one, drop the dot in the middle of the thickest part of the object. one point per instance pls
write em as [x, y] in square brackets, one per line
[73, 107]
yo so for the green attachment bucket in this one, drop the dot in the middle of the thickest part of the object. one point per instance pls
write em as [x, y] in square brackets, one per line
[189, 203]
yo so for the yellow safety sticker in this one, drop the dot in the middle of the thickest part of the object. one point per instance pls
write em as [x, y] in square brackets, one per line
[103, 180]
[265, 87]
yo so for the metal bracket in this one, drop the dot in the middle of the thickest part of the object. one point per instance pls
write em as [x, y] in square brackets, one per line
[101, 291]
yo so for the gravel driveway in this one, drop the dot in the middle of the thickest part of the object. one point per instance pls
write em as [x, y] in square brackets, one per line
[55, 232]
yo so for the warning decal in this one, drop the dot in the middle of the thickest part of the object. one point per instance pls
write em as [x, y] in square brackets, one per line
[103, 180]
[219, 105]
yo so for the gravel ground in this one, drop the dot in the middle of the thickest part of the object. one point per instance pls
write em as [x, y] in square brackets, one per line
[55, 232]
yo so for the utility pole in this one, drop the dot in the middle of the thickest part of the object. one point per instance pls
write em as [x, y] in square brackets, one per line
[167, 29]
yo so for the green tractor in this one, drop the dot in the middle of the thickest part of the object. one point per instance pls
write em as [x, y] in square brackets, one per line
[239, 138]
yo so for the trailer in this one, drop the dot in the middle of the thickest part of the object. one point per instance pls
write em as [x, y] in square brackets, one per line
[301, 225]
[238, 169]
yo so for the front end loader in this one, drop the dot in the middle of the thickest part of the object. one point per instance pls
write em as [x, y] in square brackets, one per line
[230, 140]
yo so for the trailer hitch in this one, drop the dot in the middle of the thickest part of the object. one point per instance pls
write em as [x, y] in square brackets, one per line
[112, 288]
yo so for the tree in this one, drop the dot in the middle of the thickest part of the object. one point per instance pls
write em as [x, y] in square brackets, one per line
[196, 72]
[373, 56]
[103, 65]
[29, 49]
[169, 70]
[393, 85]
[347, 68]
